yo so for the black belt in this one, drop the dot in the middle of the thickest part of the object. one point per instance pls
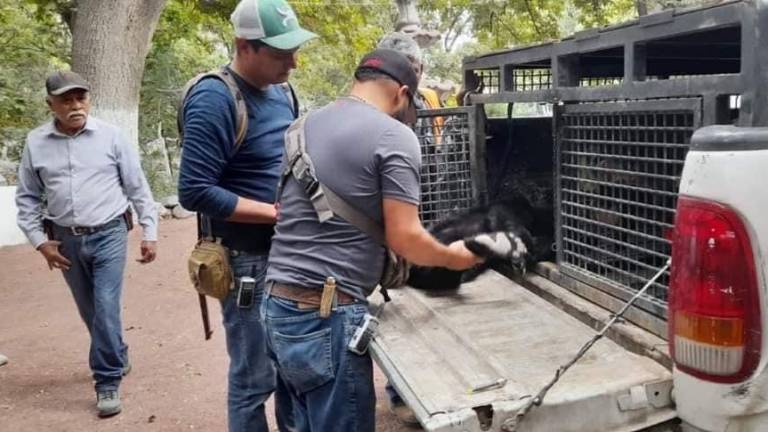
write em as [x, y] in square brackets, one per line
[249, 238]
[80, 230]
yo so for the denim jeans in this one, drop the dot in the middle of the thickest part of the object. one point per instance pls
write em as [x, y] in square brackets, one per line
[96, 281]
[332, 387]
[252, 377]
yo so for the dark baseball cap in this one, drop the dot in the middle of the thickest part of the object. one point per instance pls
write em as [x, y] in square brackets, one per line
[398, 67]
[61, 82]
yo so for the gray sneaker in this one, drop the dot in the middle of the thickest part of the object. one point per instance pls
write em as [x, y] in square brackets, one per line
[108, 402]
[3, 359]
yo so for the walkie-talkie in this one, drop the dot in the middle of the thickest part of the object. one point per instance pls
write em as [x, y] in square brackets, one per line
[365, 333]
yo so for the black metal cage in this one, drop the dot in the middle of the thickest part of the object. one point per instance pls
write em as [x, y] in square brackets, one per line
[619, 172]
[626, 101]
[452, 168]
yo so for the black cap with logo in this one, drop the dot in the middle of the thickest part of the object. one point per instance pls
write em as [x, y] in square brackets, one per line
[399, 68]
[61, 82]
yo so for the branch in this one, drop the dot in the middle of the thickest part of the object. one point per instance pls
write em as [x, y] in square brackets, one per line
[512, 31]
[11, 37]
[456, 34]
[642, 7]
[533, 18]
[599, 12]
[30, 48]
[450, 28]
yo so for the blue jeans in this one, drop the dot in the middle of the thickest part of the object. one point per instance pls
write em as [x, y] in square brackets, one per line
[332, 387]
[252, 377]
[96, 282]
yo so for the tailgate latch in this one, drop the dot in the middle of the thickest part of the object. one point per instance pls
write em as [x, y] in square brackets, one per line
[657, 395]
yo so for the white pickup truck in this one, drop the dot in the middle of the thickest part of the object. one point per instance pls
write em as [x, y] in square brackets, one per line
[718, 297]
[636, 151]
[469, 360]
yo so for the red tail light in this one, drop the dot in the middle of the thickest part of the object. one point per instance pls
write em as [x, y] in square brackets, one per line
[714, 303]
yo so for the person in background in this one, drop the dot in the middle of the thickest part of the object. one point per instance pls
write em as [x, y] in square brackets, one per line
[76, 179]
[428, 130]
[361, 150]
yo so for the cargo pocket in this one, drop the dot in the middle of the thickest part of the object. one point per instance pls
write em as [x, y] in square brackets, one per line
[305, 361]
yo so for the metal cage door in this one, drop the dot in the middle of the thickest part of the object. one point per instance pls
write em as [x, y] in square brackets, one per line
[618, 168]
[452, 161]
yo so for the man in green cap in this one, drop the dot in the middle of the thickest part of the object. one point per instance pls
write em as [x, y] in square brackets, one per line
[231, 182]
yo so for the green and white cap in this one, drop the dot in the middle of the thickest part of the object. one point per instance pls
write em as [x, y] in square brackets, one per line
[272, 22]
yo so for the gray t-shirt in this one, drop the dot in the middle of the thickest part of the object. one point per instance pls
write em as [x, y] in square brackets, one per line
[363, 155]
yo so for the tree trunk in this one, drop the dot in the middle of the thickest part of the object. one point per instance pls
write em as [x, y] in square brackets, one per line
[110, 41]
[408, 16]
[642, 7]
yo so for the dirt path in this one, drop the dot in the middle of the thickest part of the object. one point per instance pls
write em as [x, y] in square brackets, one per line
[178, 380]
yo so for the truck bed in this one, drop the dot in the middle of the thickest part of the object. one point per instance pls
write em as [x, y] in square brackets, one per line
[467, 360]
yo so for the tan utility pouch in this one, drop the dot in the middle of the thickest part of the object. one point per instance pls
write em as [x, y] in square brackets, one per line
[209, 269]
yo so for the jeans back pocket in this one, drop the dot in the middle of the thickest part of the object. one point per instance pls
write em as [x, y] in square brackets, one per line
[306, 361]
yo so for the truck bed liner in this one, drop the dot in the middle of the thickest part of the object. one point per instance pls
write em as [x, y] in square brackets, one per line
[437, 347]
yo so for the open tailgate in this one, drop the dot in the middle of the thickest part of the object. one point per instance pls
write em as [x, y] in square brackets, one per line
[502, 340]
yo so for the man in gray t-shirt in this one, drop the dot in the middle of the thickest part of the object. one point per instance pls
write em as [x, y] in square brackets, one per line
[362, 165]
[361, 152]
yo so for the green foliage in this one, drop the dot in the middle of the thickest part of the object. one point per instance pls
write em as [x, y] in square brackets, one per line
[498, 24]
[471, 27]
[347, 31]
[187, 41]
[495, 24]
[35, 42]
[599, 13]
[195, 35]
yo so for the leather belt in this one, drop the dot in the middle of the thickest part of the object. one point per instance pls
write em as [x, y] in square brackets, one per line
[79, 230]
[306, 297]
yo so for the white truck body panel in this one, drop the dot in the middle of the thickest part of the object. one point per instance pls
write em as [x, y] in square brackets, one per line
[738, 179]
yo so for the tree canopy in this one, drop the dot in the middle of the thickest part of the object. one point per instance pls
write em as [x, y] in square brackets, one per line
[34, 43]
[194, 36]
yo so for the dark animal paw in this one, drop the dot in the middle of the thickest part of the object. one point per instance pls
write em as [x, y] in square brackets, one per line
[499, 245]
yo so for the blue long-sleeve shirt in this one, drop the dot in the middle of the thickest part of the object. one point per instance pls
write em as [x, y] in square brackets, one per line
[211, 175]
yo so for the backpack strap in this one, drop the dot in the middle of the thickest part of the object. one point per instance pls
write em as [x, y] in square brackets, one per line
[241, 112]
[326, 202]
[291, 94]
[241, 109]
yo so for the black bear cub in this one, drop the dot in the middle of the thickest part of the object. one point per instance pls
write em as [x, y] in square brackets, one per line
[510, 231]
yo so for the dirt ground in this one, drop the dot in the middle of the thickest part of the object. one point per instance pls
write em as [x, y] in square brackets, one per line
[178, 382]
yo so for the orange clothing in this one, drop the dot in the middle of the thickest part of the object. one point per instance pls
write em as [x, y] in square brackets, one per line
[432, 101]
